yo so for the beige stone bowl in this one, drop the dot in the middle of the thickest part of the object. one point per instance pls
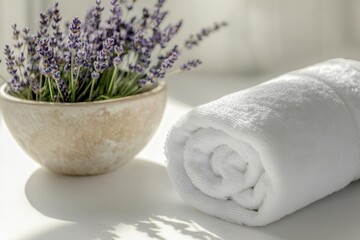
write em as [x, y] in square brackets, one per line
[84, 138]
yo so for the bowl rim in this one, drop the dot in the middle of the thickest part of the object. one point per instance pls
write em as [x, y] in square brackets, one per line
[4, 95]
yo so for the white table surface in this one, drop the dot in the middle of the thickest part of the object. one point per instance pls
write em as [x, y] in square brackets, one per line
[138, 202]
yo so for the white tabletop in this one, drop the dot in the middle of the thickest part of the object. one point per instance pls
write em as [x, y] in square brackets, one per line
[137, 201]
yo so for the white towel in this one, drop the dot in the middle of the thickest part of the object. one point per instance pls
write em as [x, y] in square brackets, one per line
[254, 156]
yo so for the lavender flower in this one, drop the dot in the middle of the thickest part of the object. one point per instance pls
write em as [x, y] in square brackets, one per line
[194, 40]
[44, 25]
[97, 14]
[169, 32]
[75, 25]
[57, 33]
[80, 58]
[74, 37]
[16, 32]
[116, 13]
[95, 75]
[172, 57]
[10, 60]
[190, 65]
[15, 82]
[96, 59]
[50, 66]
[101, 62]
[64, 90]
[20, 60]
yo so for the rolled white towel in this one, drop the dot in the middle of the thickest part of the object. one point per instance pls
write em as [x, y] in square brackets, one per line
[257, 155]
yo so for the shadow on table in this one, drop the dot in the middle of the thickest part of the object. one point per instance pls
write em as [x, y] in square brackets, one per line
[139, 197]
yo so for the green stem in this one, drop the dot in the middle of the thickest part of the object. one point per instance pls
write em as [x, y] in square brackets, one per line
[21, 74]
[41, 83]
[129, 85]
[77, 74]
[50, 89]
[92, 89]
[102, 97]
[59, 91]
[110, 89]
[83, 93]
[21, 95]
[72, 77]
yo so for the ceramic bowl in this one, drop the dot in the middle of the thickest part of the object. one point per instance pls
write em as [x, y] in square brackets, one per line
[84, 138]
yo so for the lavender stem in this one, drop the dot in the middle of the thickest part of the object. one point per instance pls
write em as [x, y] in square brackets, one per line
[40, 87]
[115, 72]
[50, 88]
[59, 90]
[92, 89]
[72, 77]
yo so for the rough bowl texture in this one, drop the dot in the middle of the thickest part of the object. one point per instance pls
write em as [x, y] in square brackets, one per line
[84, 138]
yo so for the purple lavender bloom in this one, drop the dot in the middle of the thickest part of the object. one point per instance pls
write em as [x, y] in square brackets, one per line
[119, 49]
[129, 33]
[95, 75]
[74, 41]
[158, 16]
[26, 30]
[141, 82]
[157, 72]
[169, 61]
[116, 12]
[129, 6]
[101, 62]
[108, 45]
[44, 25]
[34, 84]
[169, 32]
[18, 44]
[146, 13]
[137, 68]
[156, 36]
[97, 14]
[10, 60]
[15, 81]
[16, 32]
[80, 58]
[57, 33]
[117, 61]
[146, 80]
[48, 61]
[190, 65]
[194, 40]
[75, 25]
[160, 3]
[64, 90]
[20, 60]
[15, 84]
[89, 49]
[56, 13]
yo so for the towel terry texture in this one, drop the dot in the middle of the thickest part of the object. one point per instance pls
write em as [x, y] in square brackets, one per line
[254, 156]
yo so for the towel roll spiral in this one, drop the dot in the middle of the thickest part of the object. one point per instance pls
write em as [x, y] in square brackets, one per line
[255, 156]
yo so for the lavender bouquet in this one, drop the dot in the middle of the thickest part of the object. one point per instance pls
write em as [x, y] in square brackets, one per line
[96, 59]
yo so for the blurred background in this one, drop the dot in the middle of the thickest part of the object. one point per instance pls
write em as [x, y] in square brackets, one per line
[264, 37]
